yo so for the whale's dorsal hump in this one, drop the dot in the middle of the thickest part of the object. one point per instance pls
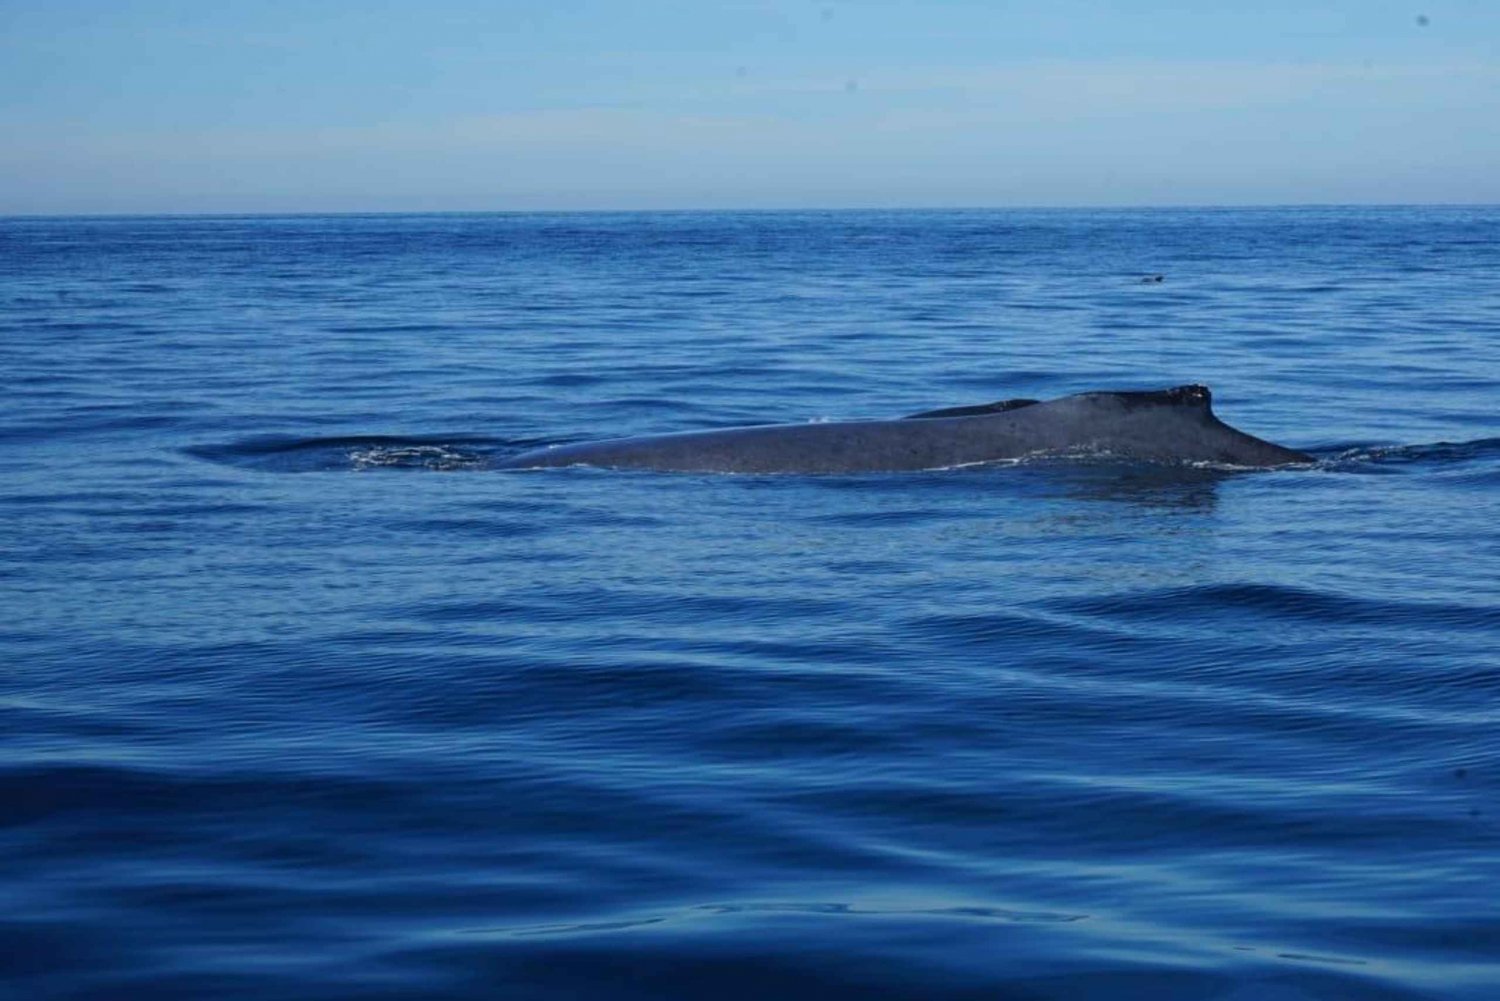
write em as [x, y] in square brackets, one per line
[1193, 397]
[976, 410]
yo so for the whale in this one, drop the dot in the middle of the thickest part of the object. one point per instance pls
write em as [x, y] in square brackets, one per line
[1174, 425]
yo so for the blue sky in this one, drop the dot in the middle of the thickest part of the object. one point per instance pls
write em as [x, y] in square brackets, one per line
[327, 105]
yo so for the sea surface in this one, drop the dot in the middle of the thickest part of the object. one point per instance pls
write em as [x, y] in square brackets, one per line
[301, 697]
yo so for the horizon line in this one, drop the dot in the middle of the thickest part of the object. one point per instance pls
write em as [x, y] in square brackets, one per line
[763, 210]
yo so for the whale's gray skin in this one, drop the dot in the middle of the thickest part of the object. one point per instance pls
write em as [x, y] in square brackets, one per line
[1170, 425]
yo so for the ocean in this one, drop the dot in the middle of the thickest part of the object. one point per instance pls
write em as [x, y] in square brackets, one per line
[301, 697]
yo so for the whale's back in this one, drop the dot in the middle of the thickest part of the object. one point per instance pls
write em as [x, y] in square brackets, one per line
[1175, 425]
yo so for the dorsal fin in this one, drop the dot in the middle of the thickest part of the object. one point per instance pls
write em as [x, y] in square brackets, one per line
[1194, 396]
[976, 410]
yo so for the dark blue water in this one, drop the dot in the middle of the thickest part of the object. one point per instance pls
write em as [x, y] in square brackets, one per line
[301, 698]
